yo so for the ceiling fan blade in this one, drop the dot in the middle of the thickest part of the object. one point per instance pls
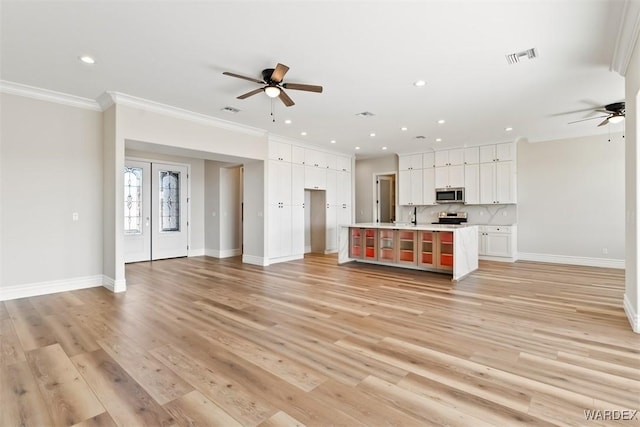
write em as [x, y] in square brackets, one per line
[604, 122]
[590, 118]
[251, 79]
[248, 94]
[279, 72]
[285, 99]
[299, 86]
[603, 111]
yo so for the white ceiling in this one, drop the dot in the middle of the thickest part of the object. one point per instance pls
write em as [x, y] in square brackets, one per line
[365, 54]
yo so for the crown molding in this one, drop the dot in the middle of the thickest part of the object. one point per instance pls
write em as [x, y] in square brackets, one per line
[27, 91]
[628, 35]
[109, 98]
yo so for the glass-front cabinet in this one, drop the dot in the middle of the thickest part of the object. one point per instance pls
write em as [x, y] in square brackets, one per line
[386, 246]
[426, 248]
[407, 247]
[355, 243]
[370, 238]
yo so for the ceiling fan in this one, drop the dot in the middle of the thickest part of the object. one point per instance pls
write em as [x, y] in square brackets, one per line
[274, 87]
[615, 114]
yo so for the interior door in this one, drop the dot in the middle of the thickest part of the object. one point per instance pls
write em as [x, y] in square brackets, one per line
[137, 211]
[169, 211]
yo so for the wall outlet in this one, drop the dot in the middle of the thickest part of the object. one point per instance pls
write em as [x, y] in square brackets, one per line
[605, 251]
[75, 216]
[504, 213]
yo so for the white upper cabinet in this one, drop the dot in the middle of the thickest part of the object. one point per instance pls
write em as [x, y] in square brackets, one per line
[449, 157]
[449, 176]
[344, 189]
[471, 156]
[314, 158]
[497, 152]
[343, 163]
[279, 151]
[410, 162]
[297, 155]
[331, 196]
[428, 160]
[330, 161]
[429, 186]
[279, 182]
[472, 184]
[410, 187]
[505, 152]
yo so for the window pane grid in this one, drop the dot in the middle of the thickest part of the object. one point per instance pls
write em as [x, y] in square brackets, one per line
[133, 200]
[169, 201]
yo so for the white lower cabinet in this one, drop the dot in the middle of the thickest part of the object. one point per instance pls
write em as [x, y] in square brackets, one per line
[497, 241]
[280, 231]
[331, 229]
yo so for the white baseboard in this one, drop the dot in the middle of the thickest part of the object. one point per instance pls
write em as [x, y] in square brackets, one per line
[224, 253]
[285, 259]
[575, 260]
[197, 252]
[254, 260]
[114, 286]
[497, 258]
[50, 287]
[632, 315]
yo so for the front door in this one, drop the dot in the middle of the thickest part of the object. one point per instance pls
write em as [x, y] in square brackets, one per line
[169, 237]
[155, 211]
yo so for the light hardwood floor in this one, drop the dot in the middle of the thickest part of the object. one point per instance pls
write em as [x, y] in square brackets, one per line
[202, 341]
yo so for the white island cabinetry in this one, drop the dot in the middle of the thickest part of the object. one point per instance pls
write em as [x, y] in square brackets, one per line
[451, 249]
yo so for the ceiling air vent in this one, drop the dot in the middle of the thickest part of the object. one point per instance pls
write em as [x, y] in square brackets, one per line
[365, 114]
[420, 137]
[514, 58]
[230, 110]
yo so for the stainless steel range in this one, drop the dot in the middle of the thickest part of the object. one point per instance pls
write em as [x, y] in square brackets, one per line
[451, 218]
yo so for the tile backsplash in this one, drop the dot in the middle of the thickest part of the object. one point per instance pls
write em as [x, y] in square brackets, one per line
[477, 214]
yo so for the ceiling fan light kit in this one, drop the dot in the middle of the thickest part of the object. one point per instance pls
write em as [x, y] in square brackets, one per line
[615, 114]
[273, 85]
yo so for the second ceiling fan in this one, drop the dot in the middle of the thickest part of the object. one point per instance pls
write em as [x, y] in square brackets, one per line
[273, 85]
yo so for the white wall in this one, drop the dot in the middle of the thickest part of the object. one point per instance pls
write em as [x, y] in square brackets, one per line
[222, 209]
[52, 166]
[571, 199]
[254, 190]
[365, 170]
[632, 133]
[197, 194]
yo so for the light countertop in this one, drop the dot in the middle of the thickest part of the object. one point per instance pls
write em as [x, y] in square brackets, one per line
[409, 226]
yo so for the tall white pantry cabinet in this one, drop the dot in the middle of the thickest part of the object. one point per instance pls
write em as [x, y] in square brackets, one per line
[291, 170]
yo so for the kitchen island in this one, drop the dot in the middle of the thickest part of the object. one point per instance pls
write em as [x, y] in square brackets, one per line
[450, 249]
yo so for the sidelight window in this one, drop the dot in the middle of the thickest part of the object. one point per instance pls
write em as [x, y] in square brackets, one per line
[132, 200]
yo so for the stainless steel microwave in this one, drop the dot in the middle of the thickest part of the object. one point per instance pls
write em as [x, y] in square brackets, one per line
[450, 195]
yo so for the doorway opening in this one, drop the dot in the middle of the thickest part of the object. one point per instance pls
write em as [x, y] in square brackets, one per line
[156, 211]
[385, 198]
[315, 222]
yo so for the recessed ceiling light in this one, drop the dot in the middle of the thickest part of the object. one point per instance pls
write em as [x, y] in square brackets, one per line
[384, 148]
[419, 83]
[403, 128]
[438, 139]
[441, 121]
[357, 148]
[87, 59]
[508, 129]
[372, 134]
[303, 133]
[333, 141]
[287, 122]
